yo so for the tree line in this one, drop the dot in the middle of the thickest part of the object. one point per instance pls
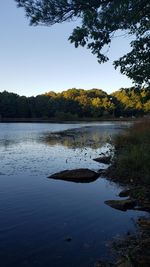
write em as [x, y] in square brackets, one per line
[76, 103]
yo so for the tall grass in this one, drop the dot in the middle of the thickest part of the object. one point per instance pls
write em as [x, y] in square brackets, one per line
[132, 157]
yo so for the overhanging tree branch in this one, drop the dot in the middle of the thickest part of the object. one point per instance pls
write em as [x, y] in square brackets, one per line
[100, 19]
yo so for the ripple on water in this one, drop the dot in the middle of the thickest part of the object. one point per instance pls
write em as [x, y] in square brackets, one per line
[38, 214]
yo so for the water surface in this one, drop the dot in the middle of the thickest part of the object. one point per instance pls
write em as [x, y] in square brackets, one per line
[37, 214]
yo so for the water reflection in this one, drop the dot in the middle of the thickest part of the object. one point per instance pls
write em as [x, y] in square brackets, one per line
[84, 137]
[6, 143]
[43, 149]
[68, 135]
[37, 214]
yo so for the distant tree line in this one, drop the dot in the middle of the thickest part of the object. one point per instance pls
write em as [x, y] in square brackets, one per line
[76, 103]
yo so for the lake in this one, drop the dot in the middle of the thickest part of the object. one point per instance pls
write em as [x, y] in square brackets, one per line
[39, 215]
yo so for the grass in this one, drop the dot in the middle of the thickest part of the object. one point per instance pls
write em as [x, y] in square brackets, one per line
[132, 157]
[131, 167]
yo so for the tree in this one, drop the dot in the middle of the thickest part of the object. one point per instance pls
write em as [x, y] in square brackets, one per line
[100, 20]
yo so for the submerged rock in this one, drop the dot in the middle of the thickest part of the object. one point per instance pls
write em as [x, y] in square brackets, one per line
[105, 160]
[125, 193]
[77, 175]
[121, 204]
[68, 239]
[103, 264]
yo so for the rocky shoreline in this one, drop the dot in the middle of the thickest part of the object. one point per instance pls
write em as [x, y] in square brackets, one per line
[133, 249]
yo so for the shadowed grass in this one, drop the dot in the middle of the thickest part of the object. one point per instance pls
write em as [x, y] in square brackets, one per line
[132, 157]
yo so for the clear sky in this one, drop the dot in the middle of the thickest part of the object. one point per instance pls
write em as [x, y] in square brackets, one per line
[35, 60]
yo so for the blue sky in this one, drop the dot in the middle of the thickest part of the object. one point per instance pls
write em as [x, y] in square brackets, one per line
[35, 60]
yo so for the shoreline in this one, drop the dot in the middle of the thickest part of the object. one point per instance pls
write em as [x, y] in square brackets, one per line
[135, 196]
[132, 250]
[41, 120]
[131, 170]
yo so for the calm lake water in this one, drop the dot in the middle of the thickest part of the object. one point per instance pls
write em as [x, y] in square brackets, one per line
[38, 214]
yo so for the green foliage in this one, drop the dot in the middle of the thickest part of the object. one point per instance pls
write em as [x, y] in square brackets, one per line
[65, 116]
[76, 103]
[99, 22]
[8, 104]
[132, 102]
[136, 64]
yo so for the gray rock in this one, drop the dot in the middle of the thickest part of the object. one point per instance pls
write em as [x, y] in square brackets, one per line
[77, 175]
[144, 207]
[124, 193]
[121, 204]
[105, 160]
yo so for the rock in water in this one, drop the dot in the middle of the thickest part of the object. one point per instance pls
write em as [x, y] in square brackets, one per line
[105, 160]
[125, 193]
[102, 264]
[77, 175]
[68, 239]
[121, 204]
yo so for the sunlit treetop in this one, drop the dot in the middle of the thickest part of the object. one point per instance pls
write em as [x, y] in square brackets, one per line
[99, 21]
